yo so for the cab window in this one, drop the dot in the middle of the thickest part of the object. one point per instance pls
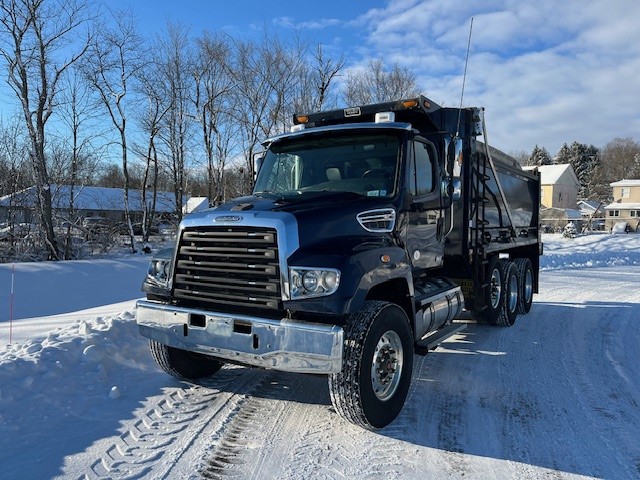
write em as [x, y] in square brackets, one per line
[422, 168]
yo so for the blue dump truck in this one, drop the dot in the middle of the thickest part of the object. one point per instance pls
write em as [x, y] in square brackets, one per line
[369, 230]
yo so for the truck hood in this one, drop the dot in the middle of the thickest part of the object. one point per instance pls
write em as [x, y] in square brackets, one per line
[322, 217]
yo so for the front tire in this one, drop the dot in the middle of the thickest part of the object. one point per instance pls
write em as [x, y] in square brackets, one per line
[372, 386]
[182, 364]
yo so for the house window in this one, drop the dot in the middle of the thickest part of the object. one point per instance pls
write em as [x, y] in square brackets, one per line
[625, 192]
[559, 195]
[614, 213]
[634, 213]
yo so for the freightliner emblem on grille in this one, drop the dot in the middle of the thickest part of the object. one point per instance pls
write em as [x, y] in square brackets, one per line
[228, 218]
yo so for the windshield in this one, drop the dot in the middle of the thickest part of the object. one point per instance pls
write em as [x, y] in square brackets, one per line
[364, 164]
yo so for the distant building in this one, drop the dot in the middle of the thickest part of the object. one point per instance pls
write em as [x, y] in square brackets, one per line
[20, 207]
[195, 204]
[592, 212]
[625, 206]
[559, 186]
[555, 219]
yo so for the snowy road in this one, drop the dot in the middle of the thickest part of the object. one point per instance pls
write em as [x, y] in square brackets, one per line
[555, 396]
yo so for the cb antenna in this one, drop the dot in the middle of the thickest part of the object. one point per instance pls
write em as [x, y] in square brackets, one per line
[464, 77]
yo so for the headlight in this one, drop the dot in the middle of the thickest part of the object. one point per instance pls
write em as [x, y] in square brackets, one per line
[313, 282]
[159, 269]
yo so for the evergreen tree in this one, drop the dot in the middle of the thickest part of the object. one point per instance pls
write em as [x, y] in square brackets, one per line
[539, 156]
[584, 160]
[563, 156]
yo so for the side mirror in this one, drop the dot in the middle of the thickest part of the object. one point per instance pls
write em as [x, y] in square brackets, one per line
[456, 187]
[457, 158]
[258, 159]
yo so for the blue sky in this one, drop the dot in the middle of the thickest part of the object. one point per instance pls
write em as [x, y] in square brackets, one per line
[547, 72]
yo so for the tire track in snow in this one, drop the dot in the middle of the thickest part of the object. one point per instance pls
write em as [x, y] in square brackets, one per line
[159, 440]
[287, 429]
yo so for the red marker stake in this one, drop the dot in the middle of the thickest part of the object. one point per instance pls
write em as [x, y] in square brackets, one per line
[13, 272]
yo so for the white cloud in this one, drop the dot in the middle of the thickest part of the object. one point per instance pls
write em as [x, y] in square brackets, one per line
[547, 73]
[289, 22]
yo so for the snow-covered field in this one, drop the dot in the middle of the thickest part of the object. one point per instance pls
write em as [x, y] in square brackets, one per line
[555, 396]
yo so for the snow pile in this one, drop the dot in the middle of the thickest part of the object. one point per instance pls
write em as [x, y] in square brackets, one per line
[588, 251]
[77, 370]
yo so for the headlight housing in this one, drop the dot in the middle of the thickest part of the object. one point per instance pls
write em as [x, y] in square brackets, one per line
[159, 271]
[307, 282]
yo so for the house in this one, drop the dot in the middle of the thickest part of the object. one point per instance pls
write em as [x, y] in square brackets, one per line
[592, 212]
[20, 207]
[559, 186]
[555, 219]
[625, 206]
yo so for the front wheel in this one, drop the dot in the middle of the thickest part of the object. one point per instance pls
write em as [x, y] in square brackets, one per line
[372, 386]
[182, 364]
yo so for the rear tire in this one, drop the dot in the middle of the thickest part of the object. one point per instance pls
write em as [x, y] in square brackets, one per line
[372, 386]
[510, 279]
[525, 274]
[494, 295]
[183, 364]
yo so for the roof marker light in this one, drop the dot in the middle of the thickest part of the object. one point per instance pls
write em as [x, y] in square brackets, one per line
[410, 103]
[385, 117]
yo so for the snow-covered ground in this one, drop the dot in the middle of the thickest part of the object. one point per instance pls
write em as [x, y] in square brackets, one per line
[557, 395]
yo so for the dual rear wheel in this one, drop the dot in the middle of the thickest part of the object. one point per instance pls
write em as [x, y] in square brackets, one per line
[509, 291]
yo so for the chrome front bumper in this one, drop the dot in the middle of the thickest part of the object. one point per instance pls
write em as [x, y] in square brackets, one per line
[288, 345]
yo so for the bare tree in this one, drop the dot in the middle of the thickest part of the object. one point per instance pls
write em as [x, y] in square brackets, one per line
[376, 84]
[266, 76]
[111, 67]
[175, 62]
[318, 82]
[37, 45]
[621, 159]
[150, 121]
[78, 165]
[213, 85]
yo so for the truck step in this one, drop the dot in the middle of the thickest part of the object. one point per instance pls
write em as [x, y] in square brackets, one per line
[432, 341]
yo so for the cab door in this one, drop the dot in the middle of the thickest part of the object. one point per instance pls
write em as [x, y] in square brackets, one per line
[424, 241]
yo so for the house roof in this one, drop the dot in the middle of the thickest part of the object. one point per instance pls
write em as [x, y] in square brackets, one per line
[560, 213]
[622, 206]
[626, 183]
[556, 174]
[195, 204]
[90, 198]
[589, 205]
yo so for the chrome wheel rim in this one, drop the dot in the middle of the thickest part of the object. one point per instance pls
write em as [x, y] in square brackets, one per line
[513, 293]
[386, 368]
[496, 288]
[528, 286]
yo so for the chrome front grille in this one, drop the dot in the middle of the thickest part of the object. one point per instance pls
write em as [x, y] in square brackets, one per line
[231, 268]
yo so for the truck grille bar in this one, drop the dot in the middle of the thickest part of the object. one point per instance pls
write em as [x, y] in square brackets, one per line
[231, 268]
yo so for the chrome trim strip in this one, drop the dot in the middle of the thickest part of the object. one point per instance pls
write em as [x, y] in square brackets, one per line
[288, 345]
[385, 215]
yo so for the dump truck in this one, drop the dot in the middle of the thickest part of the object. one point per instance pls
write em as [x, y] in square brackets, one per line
[370, 233]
